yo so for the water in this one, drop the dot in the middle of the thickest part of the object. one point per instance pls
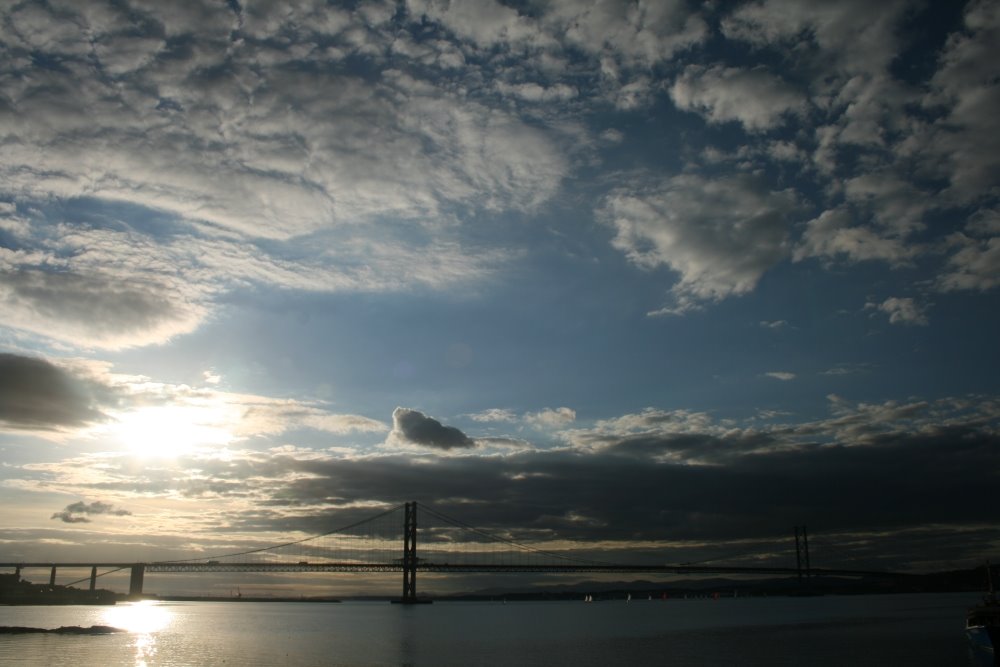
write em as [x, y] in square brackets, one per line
[855, 630]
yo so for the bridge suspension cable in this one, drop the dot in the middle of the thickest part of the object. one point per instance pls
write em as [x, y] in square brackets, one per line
[270, 549]
[490, 537]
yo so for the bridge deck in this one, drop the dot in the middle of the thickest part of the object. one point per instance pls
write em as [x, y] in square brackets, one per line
[457, 568]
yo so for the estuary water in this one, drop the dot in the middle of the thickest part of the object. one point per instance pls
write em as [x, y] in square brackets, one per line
[832, 630]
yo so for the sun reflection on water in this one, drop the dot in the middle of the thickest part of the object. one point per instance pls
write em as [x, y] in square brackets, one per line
[143, 620]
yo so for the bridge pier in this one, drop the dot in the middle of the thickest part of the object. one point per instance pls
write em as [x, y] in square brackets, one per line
[52, 576]
[93, 578]
[135, 580]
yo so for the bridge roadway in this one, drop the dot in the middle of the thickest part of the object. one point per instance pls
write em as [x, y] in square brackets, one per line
[455, 568]
[409, 568]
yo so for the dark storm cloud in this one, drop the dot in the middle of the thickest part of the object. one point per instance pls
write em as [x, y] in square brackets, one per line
[76, 512]
[892, 484]
[36, 394]
[413, 427]
[927, 485]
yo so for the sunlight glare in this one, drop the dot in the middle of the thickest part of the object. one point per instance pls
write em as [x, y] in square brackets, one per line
[172, 430]
[141, 617]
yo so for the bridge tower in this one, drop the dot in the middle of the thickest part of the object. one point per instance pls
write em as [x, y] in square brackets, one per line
[410, 554]
[135, 580]
[802, 551]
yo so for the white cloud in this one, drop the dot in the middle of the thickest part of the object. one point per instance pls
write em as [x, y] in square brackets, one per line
[665, 421]
[148, 290]
[83, 399]
[974, 265]
[965, 145]
[534, 92]
[901, 310]
[643, 33]
[486, 23]
[781, 375]
[720, 235]
[898, 205]
[755, 98]
[835, 233]
[494, 415]
[551, 417]
[853, 36]
[845, 51]
[95, 309]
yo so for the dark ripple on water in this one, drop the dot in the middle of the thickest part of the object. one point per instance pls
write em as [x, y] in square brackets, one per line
[63, 630]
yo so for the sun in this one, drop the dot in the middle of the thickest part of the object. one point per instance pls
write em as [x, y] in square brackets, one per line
[166, 431]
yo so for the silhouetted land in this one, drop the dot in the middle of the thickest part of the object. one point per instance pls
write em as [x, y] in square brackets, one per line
[955, 581]
[15, 591]
[245, 598]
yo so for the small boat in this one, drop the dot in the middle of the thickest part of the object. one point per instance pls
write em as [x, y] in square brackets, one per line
[982, 624]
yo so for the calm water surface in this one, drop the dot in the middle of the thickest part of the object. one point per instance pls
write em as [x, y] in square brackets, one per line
[855, 630]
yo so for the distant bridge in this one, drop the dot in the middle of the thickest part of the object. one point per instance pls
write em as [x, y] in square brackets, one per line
[372, 546]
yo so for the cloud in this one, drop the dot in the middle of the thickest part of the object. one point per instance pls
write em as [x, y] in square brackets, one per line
[847, 369]
[755, 98]
[229, 168]
[720, 234]
[781, 375]
[90, 309]
[835, 234]
[403, 147]
[415, 428]
[494, 415]
[687, 477]
[551, 417]
[964, 145]
[851, 36]
[36, 394]
[132, 279]
[974, 265]
[638, 36]
[75, 397]
[533, 92]
[76, 512]
[901, 310]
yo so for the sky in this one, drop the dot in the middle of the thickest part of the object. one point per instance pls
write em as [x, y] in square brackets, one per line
[672, 274]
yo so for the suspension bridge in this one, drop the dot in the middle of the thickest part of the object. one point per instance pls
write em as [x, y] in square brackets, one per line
[387, 543]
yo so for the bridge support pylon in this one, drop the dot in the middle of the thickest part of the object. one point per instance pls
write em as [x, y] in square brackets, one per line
[410, 554]
[802, 551]
[135, 580]
[93, 578]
